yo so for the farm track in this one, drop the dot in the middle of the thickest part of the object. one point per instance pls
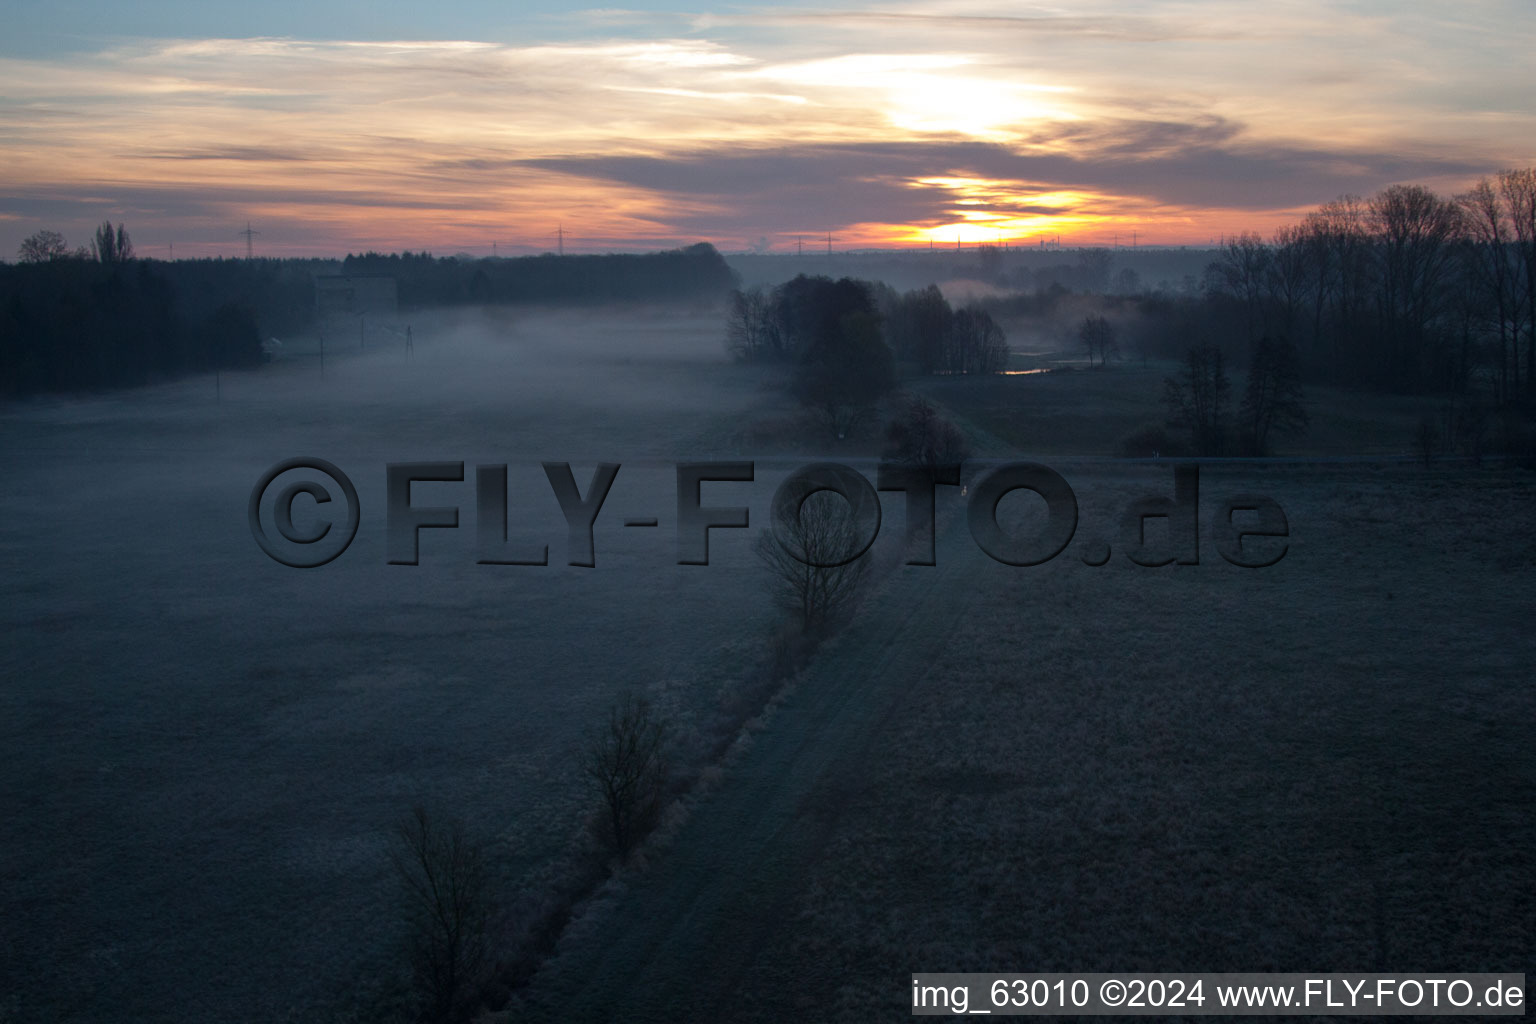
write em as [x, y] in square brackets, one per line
[675, 945]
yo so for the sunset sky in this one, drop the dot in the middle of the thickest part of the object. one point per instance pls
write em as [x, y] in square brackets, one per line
[343, 126]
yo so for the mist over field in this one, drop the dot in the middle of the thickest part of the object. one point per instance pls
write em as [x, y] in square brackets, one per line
[558, 515]
[205, 749]
[207, 754]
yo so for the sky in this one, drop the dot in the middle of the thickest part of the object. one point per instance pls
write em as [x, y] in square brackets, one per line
[480, 127]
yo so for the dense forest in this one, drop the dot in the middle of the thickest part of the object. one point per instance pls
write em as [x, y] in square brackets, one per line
[678, 274]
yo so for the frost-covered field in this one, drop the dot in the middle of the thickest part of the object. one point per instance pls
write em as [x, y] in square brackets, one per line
[203, 750]
[1321, 765]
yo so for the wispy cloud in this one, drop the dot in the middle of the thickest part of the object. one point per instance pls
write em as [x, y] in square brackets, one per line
[879, 125]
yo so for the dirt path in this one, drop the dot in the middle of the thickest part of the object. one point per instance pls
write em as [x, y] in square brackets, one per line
[674, 946]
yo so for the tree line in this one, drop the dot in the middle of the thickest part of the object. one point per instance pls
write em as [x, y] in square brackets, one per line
[73, 319]
[846, 339]
[101, 316]
[695, 272]
[1407, 290]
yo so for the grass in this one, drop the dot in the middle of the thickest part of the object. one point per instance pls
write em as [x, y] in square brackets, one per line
[1076, 411]
[1318, 766]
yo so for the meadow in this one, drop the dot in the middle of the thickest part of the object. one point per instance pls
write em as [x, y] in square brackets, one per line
[1318, 765]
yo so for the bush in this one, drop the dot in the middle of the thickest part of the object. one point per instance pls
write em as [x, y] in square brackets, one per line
[919, 436]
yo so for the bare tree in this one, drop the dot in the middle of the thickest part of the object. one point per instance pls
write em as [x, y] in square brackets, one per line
[448, 904]
[1339, 248]
[1097, 336]
[1242, 272]
[1495, 265]
[1518, 189]
[627, 764]
[1272, 399]
[752, 328]
[43, 247]
[976, 343]
[1286, 277]
[801, 557]
[1198, 399]
[1414, 231]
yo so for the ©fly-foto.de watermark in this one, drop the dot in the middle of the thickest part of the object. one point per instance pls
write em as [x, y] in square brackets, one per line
[1247, 530]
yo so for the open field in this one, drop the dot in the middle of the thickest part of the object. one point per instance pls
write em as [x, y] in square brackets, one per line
[204, 751]
[1322, 764]
[1076, 411]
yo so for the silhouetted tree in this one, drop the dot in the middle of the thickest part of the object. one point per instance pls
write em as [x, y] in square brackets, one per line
[1198, 398]
[1093, 265]
[1272, 398]
[448, 905]
[976, 343]
[1098, 338]
[43, 247]
[111, 247]
[752, 328]
[800, 557]
[1495, 273]
[1242, 272]
[1518, 189]
[1415, 230]
[919, 436]
[844, 372]
[920, 327]
[627, 764]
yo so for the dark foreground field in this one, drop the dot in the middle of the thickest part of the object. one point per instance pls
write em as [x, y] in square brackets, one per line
[1324, 764]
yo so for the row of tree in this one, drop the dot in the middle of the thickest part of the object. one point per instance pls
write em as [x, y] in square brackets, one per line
[81, 319]
[107, 246]
[697, 272]
[845, 339]
[75, 324]
[922, 330]
[1199, 399]
[1407, 290]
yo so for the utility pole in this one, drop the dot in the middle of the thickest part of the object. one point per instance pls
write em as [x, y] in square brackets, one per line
[829, 245]
[799, 246]
[494, 254]
[560, 235]
[249, 234]
[409, 347]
